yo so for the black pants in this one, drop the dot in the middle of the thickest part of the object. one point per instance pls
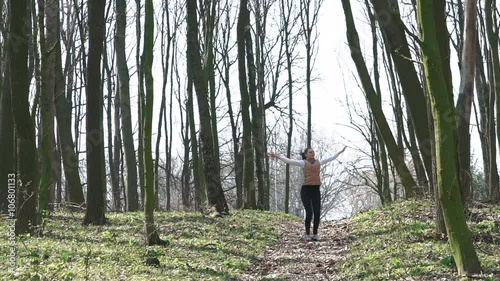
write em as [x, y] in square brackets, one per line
[311, 198]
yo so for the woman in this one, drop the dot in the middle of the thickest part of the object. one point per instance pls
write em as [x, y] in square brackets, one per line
[309, 193]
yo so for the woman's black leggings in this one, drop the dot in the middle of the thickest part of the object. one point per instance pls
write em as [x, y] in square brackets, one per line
[311, 198]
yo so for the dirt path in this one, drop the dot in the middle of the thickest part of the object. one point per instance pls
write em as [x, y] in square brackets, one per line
[295, 259]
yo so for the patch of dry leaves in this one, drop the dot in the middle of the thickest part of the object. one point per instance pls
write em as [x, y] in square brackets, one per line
[293, 258]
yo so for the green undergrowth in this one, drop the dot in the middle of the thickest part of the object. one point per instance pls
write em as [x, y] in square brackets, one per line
[399, 242]
[198, 247]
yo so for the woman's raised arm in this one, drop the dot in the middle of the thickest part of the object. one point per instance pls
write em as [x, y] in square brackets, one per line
[287, 160]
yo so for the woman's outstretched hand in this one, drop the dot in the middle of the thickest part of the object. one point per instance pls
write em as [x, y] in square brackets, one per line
[272, 155]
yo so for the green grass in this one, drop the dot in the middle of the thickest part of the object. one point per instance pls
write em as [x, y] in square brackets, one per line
[399, 242]
[199, 247]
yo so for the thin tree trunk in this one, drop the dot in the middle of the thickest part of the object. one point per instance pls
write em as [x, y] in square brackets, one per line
[492, 35]
[199, 187]
[157, 146]
[465, 97]
[168, 144]
[132, 198]
[483, 101]
[152, 236]
[262, 11]
[117, 152]
[47, 41]
[113, 163]
[140, 96]
[165, 54]
[208, 67]
[58, 173]
[287, 26]
[186, 173]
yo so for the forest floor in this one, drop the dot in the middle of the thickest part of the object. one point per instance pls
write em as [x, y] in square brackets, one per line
[293, 258]
[396, 242]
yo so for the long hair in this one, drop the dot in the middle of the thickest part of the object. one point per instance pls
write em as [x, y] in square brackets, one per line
[304, 154]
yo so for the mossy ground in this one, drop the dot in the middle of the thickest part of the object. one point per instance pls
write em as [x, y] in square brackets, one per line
[399, 242]
[199, 247]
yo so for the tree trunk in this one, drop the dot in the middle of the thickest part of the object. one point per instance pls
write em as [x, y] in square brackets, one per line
[286, 27]
[113, 163]
[47, 11]
[214, 189]
[465, 97]
[247, 147]
[186, 171]
[117, 153]
[200, 192]
[27, 171]
[483, 103]
[431, 13]
[208, 67]
[166, 67]
[373, 100]
[168, 144]
[140, 96]
[95, 160]
[152, 236]
[158, 139]
[262, 11]
[132, 198]
[492, 35]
